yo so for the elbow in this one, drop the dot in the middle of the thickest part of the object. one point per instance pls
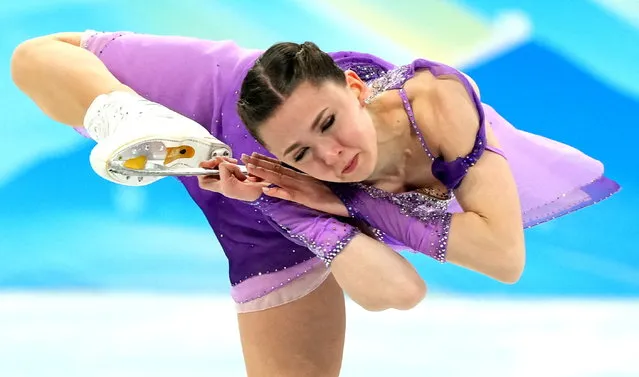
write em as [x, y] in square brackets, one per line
[404, 294]
[410, 294]
[512, 275]
[513, 262]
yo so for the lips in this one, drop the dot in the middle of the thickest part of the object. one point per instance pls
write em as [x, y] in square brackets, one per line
[352, 164]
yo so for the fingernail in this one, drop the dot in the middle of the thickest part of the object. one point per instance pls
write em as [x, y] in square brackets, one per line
[250, 166]
[265, 189]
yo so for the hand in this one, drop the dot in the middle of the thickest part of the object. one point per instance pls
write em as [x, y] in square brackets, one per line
[231, 183]
[293, 186]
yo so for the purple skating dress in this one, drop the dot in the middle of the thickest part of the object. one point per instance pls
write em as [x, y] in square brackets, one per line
[553, 179]
[272, 245]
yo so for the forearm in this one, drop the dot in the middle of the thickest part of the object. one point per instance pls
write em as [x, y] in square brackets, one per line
[62, 78]
[377, 277]
[371, 273]
[482, 243]
[488, 237]
[474, 244]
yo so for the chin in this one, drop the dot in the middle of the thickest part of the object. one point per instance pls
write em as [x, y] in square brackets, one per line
[360, 175]
[366, 172]
[349, 180]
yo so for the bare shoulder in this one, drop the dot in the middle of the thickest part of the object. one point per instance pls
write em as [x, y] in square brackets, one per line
[425, 80]
[444, 112]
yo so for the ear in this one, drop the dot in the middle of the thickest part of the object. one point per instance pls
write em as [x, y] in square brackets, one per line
[357, 86]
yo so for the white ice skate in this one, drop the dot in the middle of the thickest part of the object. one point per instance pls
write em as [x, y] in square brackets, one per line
[140, 142]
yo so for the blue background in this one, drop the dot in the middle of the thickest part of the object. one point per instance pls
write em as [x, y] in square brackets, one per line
[103, 280]
[571, 79]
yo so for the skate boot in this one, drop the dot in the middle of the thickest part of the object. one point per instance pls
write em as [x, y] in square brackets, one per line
[140, 142]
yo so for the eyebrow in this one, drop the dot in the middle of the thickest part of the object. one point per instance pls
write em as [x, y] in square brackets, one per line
[316, 123]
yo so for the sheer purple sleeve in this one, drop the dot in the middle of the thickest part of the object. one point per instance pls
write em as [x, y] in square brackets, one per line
[416, 221]
[323, 234]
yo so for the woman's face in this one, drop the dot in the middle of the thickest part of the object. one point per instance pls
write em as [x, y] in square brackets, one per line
[325, 131]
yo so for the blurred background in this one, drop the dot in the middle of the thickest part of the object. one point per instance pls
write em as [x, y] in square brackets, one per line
[101, 280]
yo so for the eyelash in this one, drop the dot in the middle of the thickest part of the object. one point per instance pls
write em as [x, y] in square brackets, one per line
[328, 124]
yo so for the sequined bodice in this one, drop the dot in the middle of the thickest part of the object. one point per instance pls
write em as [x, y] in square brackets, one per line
[415, 203]
[420, 200]
[393, 79]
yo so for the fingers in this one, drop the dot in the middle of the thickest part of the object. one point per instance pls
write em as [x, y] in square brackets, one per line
[212, 182]
[259, 159]
[260, 156]
[213, 163]
[262, 184]
[264, 162]
[270, 164]
[278, 192]
[269, 175]
[230, 174]
[253, 178]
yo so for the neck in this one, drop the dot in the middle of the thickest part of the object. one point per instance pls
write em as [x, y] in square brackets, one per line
[393, 146]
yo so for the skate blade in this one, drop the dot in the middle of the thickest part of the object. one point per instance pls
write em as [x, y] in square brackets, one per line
[156, 170]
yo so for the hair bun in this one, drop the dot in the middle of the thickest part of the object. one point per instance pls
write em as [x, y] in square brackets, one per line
[307, 47]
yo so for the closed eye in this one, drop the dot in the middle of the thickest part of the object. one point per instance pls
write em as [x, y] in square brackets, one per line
[329, 122]
[300, 155]
[325, 127]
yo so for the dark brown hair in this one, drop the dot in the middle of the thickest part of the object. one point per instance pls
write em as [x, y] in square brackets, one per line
[276, 74]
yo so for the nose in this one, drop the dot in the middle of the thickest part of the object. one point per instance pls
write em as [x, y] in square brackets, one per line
[331, 152]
